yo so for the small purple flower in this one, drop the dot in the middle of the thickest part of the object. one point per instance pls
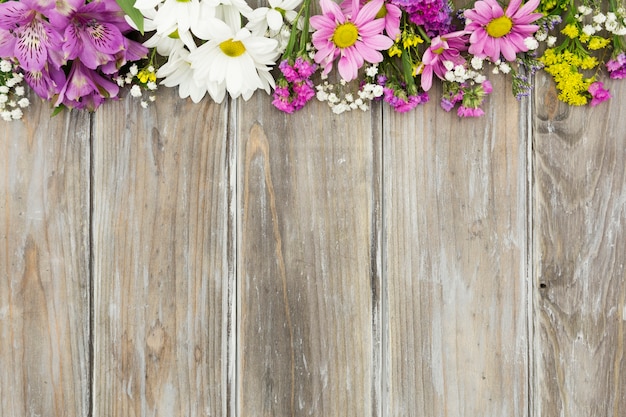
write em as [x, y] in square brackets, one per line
[446, 104]
[598, 93]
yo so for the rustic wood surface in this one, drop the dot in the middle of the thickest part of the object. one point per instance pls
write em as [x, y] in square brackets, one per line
[579, 251]
[307, 275]
[455, 251]
[229, 260]
[45, 280]
[161, 267]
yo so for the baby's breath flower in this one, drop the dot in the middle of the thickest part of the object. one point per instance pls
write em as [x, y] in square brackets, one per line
[135, 91]
[477, 63]
[531, 43]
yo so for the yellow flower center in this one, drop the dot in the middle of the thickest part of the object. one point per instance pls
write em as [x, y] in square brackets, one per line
[382, 12]
[345, 35]
[499, 27]
[232, 48]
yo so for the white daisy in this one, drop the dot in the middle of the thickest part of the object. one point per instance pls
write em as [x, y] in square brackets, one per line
[229, 11]
[175, 17]
[177, 71]
[273, 17]
[233, 60]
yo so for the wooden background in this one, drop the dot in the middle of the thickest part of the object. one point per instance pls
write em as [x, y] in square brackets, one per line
[230, 260]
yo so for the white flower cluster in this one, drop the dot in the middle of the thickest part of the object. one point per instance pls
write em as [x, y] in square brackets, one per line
[12, 92]
[340, 101]
[614, 23]
[140, 83]
[460, 74]
[541, 36]
[217, 46]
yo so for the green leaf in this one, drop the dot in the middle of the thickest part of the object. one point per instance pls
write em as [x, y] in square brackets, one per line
[128, 6]
[58, 109]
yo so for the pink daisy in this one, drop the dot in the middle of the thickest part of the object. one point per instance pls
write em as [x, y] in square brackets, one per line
[355, 38]
[496, 31]
[446, 48]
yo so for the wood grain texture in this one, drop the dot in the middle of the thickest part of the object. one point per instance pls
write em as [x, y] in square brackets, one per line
[161, 259]
[455, 256]
[308, 259]
[44, 264]
[579, 253]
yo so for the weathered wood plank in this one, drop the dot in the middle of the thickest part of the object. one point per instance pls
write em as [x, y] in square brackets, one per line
[161, 259]
[455, 255]
[579, 254]
[44, 264]
[307, 264]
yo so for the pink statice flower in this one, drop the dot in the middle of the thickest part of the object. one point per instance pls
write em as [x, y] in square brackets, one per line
[354, 39]
[294, 87]
[435, 16]
[442, 49]
[496, 32]
[401, 101]
[463, 111]
[598, 93]
[471, 97]
[617, 66]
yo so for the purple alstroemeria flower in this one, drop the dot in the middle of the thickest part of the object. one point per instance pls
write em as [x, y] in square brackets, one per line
[47, 82]
[85, 88]
[92, 32]
[27, 35]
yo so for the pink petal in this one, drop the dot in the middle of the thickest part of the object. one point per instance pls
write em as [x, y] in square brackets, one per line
[512, 7]
[320, 22]
[375, 27]
[347, 68]
[379, 42]
[368, 12]
[507, 50]
[369, 54]
[332, 10]
[528, 8]
[427, 78]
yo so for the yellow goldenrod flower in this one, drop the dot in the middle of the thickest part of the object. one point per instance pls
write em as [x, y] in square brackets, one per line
[598, 42]
[570, 30]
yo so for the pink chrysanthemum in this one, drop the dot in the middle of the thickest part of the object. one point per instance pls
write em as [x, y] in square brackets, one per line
[390, 12]
[355, 39]
[496, 31]
[446, 48]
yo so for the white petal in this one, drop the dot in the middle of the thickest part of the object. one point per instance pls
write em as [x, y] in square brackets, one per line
[274, 19]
